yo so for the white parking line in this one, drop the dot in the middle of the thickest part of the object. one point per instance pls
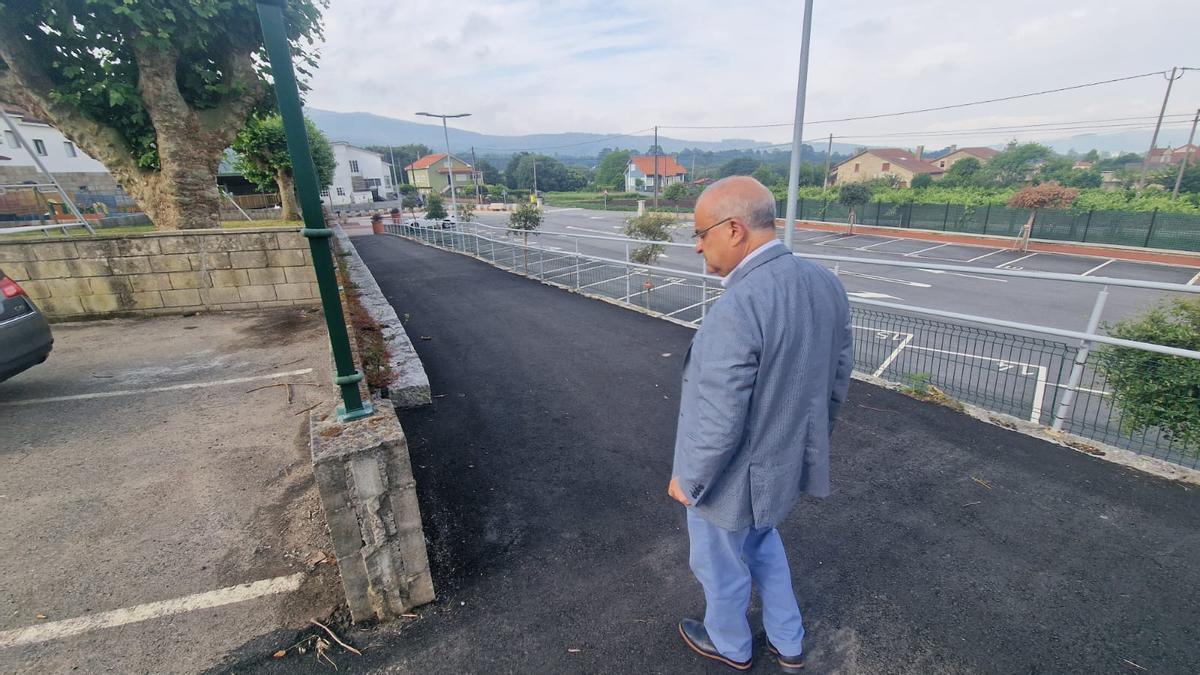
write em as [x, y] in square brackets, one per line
[842, 239]
[152, 390]
[672, 283]
[607, 281]
[1010, 262]
[981, 257]
[878, 243]
[1195, 280]
[1039, 391]
[909, 255]
[45, 632]
[869, 295]
[588, 229]
[1097, 267]
[902, 282]
[969, 276]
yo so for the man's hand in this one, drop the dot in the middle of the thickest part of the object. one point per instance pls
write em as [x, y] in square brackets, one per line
[676, 492]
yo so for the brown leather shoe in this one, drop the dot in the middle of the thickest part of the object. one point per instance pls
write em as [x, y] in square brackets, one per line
[790, 664]
[696, 637]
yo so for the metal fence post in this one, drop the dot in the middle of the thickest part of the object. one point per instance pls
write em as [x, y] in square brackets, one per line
[628, 273]
[274, 30]
[946, 217]
[1150, 230]
[1081, 357]
[986, 214]
[799, 211]
[1087, 224]
[577, 264]
[878, 207]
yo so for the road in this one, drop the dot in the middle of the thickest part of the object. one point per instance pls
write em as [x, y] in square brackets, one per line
[949, 545]
[1056, 304]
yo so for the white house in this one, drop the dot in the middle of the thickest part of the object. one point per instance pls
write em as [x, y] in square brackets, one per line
[73, 168]
[358, 177]
[640, 173]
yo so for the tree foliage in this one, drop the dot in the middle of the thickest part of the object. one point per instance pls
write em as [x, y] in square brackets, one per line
[675, 192]
[527, 217]
[653, 226]
[611, 171]
[922, 180]
[552, 175]
[765, 175]
[155, 89]
[738, 166]
[1044, 196]
[491, 175]
[435, 207]
[264, 160]
[1155, 390]
[852, 196]
[1016, 163]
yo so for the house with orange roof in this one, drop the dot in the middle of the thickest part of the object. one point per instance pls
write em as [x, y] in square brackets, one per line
[641, 174]
[431, 174]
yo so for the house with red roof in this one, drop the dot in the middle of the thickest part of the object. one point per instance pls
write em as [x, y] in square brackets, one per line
[879, 162]
[644, 171]
[431, 174]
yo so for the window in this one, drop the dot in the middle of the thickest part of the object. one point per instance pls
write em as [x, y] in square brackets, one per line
[942, 164]
[325, 192]
[70, 148]
[374, 182]
[39, 147]
[887, 166]
[12, 139]
[341, 192]
[354, 166]
[856, 167]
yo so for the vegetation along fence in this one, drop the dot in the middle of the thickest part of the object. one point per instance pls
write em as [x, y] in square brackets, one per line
[1149, 229]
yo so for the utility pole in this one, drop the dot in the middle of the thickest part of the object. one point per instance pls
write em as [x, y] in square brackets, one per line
[828, 159]
[1154, 139]
[1186, 156]
[535, 193]
[392, 155]
[475, 173]
[789, 224]
[656, 166]
[449, 159]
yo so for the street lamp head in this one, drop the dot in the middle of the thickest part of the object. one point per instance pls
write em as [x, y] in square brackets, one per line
[445, 117]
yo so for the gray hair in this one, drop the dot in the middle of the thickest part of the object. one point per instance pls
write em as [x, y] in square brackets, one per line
[744, 198]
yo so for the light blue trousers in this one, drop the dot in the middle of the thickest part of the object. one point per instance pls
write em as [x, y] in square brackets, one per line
[726, 563]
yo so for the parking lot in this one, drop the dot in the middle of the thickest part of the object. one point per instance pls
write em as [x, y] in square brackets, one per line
[156, 497]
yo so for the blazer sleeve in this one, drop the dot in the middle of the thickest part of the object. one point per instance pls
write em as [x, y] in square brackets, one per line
[726, 369]
[845, 366]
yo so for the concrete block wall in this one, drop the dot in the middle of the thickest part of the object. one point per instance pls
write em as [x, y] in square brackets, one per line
[163, 272]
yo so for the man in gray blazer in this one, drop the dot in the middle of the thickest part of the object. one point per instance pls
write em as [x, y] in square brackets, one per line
[762, 384]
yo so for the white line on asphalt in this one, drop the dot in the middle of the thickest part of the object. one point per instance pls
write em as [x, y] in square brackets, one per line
[981, 257]
[1090, 391]
[908, 337]
[842, 239]
[684, 309]
[909, 255]
[595, 217]
[1195, 280]
[1039, 390]
[830, 236]
[959, 274]
[672, 283]
[878, 243]
[1010, 262]
[119, 617]
[1097, 267]
[570, 208]
[889, 280]
[588, 229]
[872, 296]
[152, 390]
[623, 276]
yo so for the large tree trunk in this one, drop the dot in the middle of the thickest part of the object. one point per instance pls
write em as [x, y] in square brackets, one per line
[289, 210]
[182, 192]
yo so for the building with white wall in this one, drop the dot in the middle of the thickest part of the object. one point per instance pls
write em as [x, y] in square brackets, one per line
[358, 177]
[73, 168]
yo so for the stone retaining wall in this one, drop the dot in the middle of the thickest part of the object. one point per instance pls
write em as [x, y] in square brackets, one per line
[163, 272]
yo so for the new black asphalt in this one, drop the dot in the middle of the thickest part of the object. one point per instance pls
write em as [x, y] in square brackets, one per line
[949, 545]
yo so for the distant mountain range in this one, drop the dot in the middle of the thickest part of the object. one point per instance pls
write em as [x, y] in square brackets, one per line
[368, 129]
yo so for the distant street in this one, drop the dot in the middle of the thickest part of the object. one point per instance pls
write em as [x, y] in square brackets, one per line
[1057, 304]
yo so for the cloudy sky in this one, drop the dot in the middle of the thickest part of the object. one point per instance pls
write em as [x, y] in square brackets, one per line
[522, 66]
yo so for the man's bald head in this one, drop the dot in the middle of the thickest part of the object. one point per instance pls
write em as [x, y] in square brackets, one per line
[740, 197]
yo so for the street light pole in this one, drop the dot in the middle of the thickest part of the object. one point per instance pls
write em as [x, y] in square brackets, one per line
[274, 31]
[789, 223]
[449, 159]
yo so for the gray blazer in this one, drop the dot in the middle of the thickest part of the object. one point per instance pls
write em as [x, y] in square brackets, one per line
[762, 383]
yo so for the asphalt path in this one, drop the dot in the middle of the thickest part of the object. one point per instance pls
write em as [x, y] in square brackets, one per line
[1056, 304]
[949, 545]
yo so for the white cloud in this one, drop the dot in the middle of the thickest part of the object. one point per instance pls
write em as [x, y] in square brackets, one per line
[522, 66]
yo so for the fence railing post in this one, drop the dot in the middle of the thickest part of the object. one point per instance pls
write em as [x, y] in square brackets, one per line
[946, 217]
[1088, 223]
[577, 264]
[1081, 357]
[878, 208]
[628, 273]
[1150, 230]
[986, 214]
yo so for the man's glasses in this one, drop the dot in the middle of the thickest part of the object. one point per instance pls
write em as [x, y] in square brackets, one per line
[699, 234]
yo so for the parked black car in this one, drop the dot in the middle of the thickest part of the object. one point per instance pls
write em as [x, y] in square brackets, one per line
[25, 338]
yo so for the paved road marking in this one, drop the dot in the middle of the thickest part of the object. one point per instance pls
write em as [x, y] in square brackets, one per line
[595, 217]
[902, 282]
[878, 243]
[1004, 365]
[888, 335]
[869, 295]
[152, 390]
[1090, 391]
[981, 257]
[909, 255]
[1195, 280]
[562, 210]
[45, 632]
[844, 238]
[639, 292]
[960, 274]
[1097, 267]
[623, 276]
[1010, 262]
[588, 229]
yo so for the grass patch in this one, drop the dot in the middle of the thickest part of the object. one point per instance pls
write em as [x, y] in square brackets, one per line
[368, 338]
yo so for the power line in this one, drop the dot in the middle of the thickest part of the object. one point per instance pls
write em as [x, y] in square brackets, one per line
[569, 145]
[1007, 130]
[933, 109]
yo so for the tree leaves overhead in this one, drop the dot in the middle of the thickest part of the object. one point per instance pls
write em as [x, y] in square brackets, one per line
[262, 152]
[89, 47]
